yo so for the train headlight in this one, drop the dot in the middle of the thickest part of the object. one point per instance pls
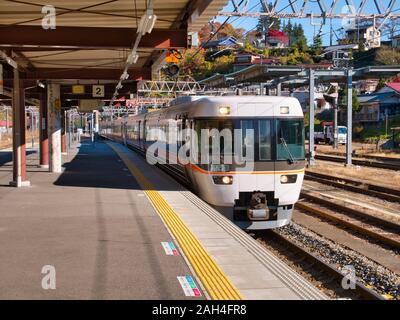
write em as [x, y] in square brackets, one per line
[284, 110]
[224, 110]
[292, 178]
[226, 180]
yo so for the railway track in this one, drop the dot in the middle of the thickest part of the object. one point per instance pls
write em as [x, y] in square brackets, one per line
[367, 163]
[380, 229]
[328, 274]
[325, 272]
[365, 156]
[354, 185]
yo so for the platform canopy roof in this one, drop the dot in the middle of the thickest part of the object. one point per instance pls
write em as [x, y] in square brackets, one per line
[92, 39]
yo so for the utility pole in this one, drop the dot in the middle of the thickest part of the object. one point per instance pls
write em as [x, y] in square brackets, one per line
[349, 147]
[386, 122]
[279, 89]
[72, 126]
[335, 120]
[66, 134]
[311, 152]
[92, 126]
[7, 125]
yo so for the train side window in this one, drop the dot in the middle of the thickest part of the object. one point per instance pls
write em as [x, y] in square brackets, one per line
[246, 140]
[264, 140]
[180, 127]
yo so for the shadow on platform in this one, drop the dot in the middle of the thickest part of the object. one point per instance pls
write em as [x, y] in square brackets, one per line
[6, 157]
[97, 166]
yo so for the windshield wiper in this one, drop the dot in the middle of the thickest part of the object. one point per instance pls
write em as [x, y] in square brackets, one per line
[291, 159]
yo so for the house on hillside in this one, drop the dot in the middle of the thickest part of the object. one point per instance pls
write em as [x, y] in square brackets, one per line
[246, 59]
[274, 39]
[221, 43]
[366, 86]
[377, 105]
[368, 34]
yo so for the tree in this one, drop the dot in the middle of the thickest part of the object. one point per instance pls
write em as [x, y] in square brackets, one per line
[288, 30]
[343, 100]
[229, 31]
[361, 46]
[223, 64]
[266, 23]
[381, 84]
[387, 56]
[301, 44]
[297, 39]
[317, 45]
[195, 66]
[207, 30]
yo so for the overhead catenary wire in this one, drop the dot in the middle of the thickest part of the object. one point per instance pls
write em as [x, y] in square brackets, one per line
[215, 33]
[133, 57]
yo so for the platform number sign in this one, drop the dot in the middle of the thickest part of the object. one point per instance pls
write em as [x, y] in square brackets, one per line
[98, 91]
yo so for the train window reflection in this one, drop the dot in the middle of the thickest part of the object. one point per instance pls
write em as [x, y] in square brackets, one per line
[264, 129]
[215, 127]
[247, 138]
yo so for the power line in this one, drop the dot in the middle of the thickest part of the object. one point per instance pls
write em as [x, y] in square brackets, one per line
[216, 32]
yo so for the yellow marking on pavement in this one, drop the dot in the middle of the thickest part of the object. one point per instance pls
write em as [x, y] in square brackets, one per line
[210, 274]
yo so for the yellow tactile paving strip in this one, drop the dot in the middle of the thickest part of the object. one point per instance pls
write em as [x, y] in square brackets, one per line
[215, 281]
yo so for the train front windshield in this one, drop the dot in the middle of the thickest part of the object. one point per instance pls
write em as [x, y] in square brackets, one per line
[290, 139]
[274, 139]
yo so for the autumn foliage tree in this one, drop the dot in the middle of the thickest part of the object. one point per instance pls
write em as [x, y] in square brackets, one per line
[195, 64]
[227, 30]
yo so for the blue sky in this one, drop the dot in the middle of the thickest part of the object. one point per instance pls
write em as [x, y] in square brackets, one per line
[249, 23]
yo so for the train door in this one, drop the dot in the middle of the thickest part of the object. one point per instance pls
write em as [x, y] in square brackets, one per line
[189, 173]
[143, 136]
[257, 135]
[125, 132]
[137, 140]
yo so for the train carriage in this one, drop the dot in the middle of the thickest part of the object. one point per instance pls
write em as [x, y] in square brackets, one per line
[259, 194]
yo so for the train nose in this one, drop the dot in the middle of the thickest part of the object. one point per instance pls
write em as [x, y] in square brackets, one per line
[258, 200]
[259, 207]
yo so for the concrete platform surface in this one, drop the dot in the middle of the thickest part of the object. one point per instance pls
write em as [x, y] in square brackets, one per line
[93, 223]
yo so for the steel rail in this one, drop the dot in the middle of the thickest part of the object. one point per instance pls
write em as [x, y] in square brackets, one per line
[375, 190]
[317, 262]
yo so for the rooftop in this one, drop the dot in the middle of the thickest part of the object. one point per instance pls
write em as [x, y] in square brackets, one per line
[394, 85]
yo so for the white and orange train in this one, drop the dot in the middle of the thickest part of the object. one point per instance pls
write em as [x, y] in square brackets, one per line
[260, 198]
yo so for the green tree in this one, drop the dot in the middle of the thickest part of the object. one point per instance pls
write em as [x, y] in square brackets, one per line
[266, 23]
[361, 46]
[288, 30]
[223, 64]
[317, 45]
[387, 56]
[299, 40]
[195, 65]
[301, 44]
[381, 84]
[342, 101]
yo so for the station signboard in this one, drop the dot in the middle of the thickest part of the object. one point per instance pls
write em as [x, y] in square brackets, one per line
[98, 91]
[78, 89]
[88, 105]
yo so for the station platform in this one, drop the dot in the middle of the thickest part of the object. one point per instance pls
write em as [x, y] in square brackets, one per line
[115, 227]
